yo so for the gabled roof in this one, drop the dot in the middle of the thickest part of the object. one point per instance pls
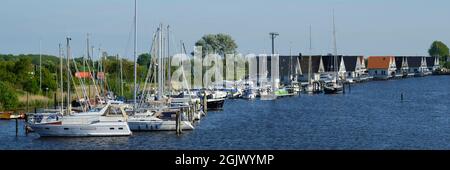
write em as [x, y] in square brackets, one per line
[304, 63]
[350, 62]
[430, 61]
[399, 61]
[415, 61]
[328, 63]
[379, 62]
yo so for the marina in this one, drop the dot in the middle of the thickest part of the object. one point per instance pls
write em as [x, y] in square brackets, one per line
[409, 113]
[139, 76]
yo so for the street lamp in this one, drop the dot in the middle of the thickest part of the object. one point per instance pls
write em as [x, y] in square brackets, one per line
[273, 35]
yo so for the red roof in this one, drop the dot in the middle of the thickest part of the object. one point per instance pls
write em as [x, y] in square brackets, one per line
[379, 62]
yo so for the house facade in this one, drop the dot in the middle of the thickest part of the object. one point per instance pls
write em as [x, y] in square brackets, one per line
[401, 63]
[289, 69]
[417, 65]
[354, 67]
[432, 63]
[312, 64]
[381, 67]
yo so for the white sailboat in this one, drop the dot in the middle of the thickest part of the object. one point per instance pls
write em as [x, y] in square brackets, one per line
[162, 118]
[108, 121]
[335, 86]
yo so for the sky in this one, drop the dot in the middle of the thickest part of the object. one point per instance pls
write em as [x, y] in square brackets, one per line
[363, 27]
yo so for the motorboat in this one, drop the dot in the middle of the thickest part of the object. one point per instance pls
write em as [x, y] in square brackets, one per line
[112, 122]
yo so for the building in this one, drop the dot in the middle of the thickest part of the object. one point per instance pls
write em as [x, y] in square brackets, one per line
[289, 69]
[355, 68]
[432, 63]
[310, 65]
[417, 65]
[401, 63]
[330, 67]
[381, 67]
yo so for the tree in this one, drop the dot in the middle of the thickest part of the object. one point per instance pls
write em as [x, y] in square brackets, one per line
[438, 48]
[48, 81]
[8, 98]
[217, 43]
[144, 60]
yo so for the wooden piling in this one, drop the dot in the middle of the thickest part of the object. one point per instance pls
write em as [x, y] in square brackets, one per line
[178, 123]
[17, 127]
[205, 103]
[55, 102]
[349, 88]
[27, 103]
[343, 87]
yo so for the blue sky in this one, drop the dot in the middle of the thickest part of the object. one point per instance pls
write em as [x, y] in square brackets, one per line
[364, 27]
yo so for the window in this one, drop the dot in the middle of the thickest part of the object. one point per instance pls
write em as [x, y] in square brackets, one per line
[66, 128]
[376, 72]
[120, 128]
[111, 128]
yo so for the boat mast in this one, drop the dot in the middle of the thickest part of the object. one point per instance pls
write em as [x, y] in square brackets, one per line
[335, 49]
[88, 57]
[168, 60]
[290, 61]
[40, 65]
[61, 77]
[121, 77]
[310, 55]
[135, 55]
[160, 64]
[69, 106]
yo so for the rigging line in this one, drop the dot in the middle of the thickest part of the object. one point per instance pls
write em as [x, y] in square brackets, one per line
[127, 48]
[92, 76]
[83, 88]
[144, 90]
[75, 88]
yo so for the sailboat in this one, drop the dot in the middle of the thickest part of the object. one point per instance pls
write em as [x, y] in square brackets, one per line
[335, 86]
[310, 86]
[108, 121]
[159, 115]
[294, 87]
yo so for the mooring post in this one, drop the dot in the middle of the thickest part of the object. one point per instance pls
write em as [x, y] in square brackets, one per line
[17, 127]
[178, 129]
[55, 101]
[205, 103]
[343, 87]
[27, 103]
[26, 125]
[349, 87]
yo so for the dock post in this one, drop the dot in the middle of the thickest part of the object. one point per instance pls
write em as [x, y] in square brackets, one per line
[349, 88]
[55, 101]
[178, 123]
[205, 103]
[343, 87]
[17, 127]
[191, 111]
[27, 103]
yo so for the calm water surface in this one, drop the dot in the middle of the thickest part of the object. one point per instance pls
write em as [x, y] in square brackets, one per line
[371, 116]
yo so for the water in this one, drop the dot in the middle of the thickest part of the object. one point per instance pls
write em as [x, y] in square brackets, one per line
[371, 116]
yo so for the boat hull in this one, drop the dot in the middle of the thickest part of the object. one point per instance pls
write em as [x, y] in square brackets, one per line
[215, 104]
[5, 115]
[332, 90]
[90, 130]
[158, 125]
